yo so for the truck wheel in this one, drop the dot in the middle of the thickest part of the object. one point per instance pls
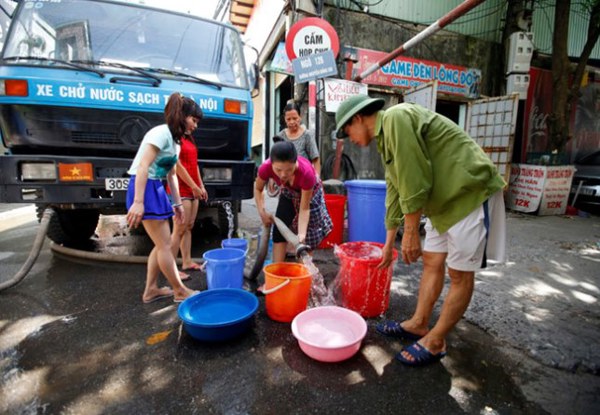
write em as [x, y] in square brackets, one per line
[76, 225]
[224, 221]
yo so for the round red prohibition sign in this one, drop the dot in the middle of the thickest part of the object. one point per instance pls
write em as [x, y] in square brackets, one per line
[309, 36]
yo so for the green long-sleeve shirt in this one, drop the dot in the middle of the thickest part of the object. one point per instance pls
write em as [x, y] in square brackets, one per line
[433, 165]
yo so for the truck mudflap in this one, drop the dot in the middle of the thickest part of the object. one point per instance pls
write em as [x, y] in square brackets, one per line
[99, 182]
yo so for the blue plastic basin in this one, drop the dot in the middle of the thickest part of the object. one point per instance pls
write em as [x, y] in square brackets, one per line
[219, 314]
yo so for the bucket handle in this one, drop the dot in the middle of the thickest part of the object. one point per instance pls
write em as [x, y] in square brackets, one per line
[280, 286]
[245, 252]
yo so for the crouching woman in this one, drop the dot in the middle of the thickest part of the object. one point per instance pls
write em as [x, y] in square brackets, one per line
[301, 202]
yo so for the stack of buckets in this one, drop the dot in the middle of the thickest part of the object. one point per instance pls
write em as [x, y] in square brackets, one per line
[225, 265]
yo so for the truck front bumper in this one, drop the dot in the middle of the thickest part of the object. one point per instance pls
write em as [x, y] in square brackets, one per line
[80, 182]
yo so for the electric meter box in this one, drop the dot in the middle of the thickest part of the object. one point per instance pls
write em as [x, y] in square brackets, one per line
[517, 83]
[520, 51]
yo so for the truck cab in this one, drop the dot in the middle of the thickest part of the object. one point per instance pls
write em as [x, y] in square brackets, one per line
[82, 81]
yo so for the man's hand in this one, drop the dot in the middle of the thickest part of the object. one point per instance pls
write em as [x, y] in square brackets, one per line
[387, 256]
[411, 245]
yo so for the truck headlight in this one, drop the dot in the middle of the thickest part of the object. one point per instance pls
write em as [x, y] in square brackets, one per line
[232, 106]
[14, 88]
[38, 171]
[216, 174]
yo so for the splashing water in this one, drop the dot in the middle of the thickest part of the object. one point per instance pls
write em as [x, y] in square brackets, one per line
[230, 222]
[320, 295]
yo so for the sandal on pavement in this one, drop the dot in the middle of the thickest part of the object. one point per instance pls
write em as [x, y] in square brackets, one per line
[194, 267]
[183, 276]
[420, 355]
[180, 300]
[158, 297]
[394, 329]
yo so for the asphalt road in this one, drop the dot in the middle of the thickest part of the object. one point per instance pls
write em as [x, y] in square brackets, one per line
[75, 337]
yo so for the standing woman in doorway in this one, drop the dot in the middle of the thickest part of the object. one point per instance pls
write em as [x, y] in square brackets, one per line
[148, 202]
[296, 133]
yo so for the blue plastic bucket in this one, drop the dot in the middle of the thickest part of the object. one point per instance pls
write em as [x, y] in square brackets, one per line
[237, 243]
[224, 268]
[366, 210]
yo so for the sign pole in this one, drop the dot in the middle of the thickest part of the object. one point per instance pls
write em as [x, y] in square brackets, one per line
[312, 45]
[312, 107]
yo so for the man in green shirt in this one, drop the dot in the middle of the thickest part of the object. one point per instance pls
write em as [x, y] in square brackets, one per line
[432, 168]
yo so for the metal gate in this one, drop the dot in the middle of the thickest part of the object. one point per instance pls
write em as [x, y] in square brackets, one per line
[425, 95]
[491, 123]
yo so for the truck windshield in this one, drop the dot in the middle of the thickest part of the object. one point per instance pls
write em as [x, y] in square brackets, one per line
[96, 31]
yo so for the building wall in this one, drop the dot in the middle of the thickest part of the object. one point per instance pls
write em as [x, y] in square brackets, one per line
[483, 21]
[362, 30]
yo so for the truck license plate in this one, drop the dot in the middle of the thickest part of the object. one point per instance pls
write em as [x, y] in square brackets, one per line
[116, 183]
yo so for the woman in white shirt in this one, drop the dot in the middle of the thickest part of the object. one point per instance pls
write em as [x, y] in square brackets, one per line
[147, 199]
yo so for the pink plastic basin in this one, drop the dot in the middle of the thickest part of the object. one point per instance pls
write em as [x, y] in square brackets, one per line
[329, 333]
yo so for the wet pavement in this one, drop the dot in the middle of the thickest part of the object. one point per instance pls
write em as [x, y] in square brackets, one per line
[76, 338]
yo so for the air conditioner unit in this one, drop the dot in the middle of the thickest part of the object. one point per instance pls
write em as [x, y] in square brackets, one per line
[520, 51]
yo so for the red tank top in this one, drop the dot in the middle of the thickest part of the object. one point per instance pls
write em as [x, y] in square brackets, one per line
[188, 156]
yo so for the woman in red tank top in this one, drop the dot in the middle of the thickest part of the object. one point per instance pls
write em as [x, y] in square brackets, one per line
[192, 191]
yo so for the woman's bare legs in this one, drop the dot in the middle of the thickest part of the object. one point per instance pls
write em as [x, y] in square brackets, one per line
[185, 245]
[161, 259]
[279, 251]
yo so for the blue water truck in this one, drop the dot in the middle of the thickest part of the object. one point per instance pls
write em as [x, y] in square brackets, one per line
[81, 81]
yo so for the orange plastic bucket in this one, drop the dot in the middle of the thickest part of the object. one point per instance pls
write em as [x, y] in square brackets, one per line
[336, 206]
[287, 288]
[364, 288]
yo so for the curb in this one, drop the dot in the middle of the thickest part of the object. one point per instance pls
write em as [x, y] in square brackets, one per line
[14, 213]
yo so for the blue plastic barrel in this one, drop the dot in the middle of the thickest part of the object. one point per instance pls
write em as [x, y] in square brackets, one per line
[224, 268]
[366, 210]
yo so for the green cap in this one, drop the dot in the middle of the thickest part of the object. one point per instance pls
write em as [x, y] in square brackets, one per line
[351, 106]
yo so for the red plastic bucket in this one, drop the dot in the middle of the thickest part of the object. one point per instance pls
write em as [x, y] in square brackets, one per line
[336, 206]
[364, 288]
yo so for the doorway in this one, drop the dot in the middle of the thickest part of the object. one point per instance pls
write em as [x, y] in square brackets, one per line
[449, 109]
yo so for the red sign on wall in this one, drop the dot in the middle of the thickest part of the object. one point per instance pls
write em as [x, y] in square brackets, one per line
[405, 73]
[310, 36]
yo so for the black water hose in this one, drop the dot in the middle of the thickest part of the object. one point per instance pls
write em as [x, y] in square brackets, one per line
[292, 238]
[347, 169]
[34, 253]
[261, 253]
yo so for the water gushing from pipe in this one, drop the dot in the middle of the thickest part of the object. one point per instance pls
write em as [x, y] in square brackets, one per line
[319, 294]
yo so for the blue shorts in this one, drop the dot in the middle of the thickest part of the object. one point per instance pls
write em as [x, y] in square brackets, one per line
[157, 205]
